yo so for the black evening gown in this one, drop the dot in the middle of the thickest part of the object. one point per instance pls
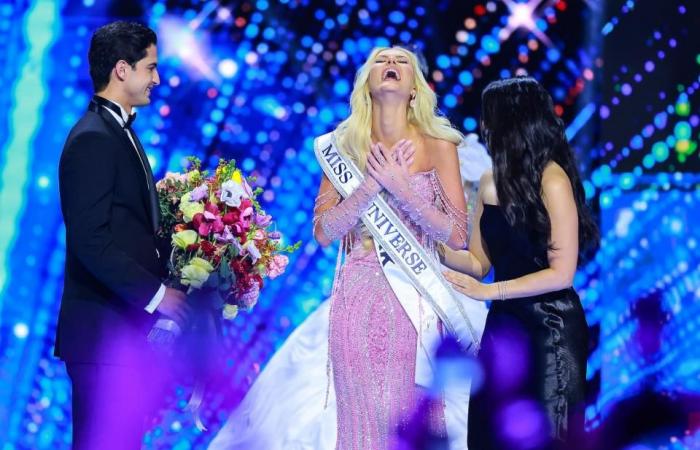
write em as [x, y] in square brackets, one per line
[533, 353]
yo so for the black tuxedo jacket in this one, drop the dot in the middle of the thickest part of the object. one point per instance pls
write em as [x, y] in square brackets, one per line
[112, 268]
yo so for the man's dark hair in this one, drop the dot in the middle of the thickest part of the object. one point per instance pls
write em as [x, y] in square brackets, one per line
[117, 41]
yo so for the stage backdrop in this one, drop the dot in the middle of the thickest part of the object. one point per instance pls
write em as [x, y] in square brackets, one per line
[257, 80]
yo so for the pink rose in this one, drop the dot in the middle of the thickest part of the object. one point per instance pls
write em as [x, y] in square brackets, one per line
[250, 297]
[277, 266]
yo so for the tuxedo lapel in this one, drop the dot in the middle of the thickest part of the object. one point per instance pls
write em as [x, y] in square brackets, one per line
[152, 194]
[150, 201]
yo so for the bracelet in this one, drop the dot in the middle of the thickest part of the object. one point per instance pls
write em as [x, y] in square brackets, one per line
[502, 287]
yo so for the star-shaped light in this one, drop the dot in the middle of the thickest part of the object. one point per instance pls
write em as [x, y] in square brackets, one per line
[522, 15]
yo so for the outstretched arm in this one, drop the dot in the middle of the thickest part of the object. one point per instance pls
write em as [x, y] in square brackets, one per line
[561, 207]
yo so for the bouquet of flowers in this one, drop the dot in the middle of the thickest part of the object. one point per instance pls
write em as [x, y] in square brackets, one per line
[222, 239]
[223, 246]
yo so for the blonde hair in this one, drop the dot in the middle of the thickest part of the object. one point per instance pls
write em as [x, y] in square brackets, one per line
[354, 133]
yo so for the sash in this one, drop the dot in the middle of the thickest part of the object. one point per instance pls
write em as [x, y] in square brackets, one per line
[412, 273]
[424, 321]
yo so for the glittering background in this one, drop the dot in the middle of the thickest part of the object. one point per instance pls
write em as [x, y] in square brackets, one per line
[257, 80]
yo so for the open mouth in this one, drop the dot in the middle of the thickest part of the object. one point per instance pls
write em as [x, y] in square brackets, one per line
[391, 74]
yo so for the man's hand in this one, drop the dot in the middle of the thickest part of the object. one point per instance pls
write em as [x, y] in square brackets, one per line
[174, 306]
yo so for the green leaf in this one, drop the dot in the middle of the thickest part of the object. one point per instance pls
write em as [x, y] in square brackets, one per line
[194, 163]
[224, 270]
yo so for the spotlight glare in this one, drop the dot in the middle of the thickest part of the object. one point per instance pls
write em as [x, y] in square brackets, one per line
[521, 16]
[21, 330]
[228, 68]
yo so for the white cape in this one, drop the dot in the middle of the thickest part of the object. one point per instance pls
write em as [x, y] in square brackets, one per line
[284, 408]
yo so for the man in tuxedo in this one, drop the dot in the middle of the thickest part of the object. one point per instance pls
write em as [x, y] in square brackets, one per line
[113, 289]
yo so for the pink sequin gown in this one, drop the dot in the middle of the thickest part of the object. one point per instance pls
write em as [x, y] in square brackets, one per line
[373, 343]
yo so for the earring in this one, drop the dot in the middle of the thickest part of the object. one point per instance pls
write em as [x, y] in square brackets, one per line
[412, 103]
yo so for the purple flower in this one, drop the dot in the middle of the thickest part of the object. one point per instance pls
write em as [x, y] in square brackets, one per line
[274, 235]
[250, 297]
[227, 236]
[199, 193]
[236, 244]
[262, 220]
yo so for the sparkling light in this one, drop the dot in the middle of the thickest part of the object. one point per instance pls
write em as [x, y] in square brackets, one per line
[177, 38]
[21, 330]
[228, 68]
[522, 15]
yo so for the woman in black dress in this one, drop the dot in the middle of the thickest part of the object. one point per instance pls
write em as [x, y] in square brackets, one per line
[532, 226]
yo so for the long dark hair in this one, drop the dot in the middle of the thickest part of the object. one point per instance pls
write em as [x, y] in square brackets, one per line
[522, 134]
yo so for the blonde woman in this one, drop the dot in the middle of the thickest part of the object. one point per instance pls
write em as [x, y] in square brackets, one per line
[409, 156]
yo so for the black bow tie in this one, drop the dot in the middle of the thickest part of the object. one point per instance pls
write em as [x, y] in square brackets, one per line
[130, 120]
[115, 109]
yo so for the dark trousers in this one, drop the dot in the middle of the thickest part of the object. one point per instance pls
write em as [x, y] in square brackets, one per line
[111, 405]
